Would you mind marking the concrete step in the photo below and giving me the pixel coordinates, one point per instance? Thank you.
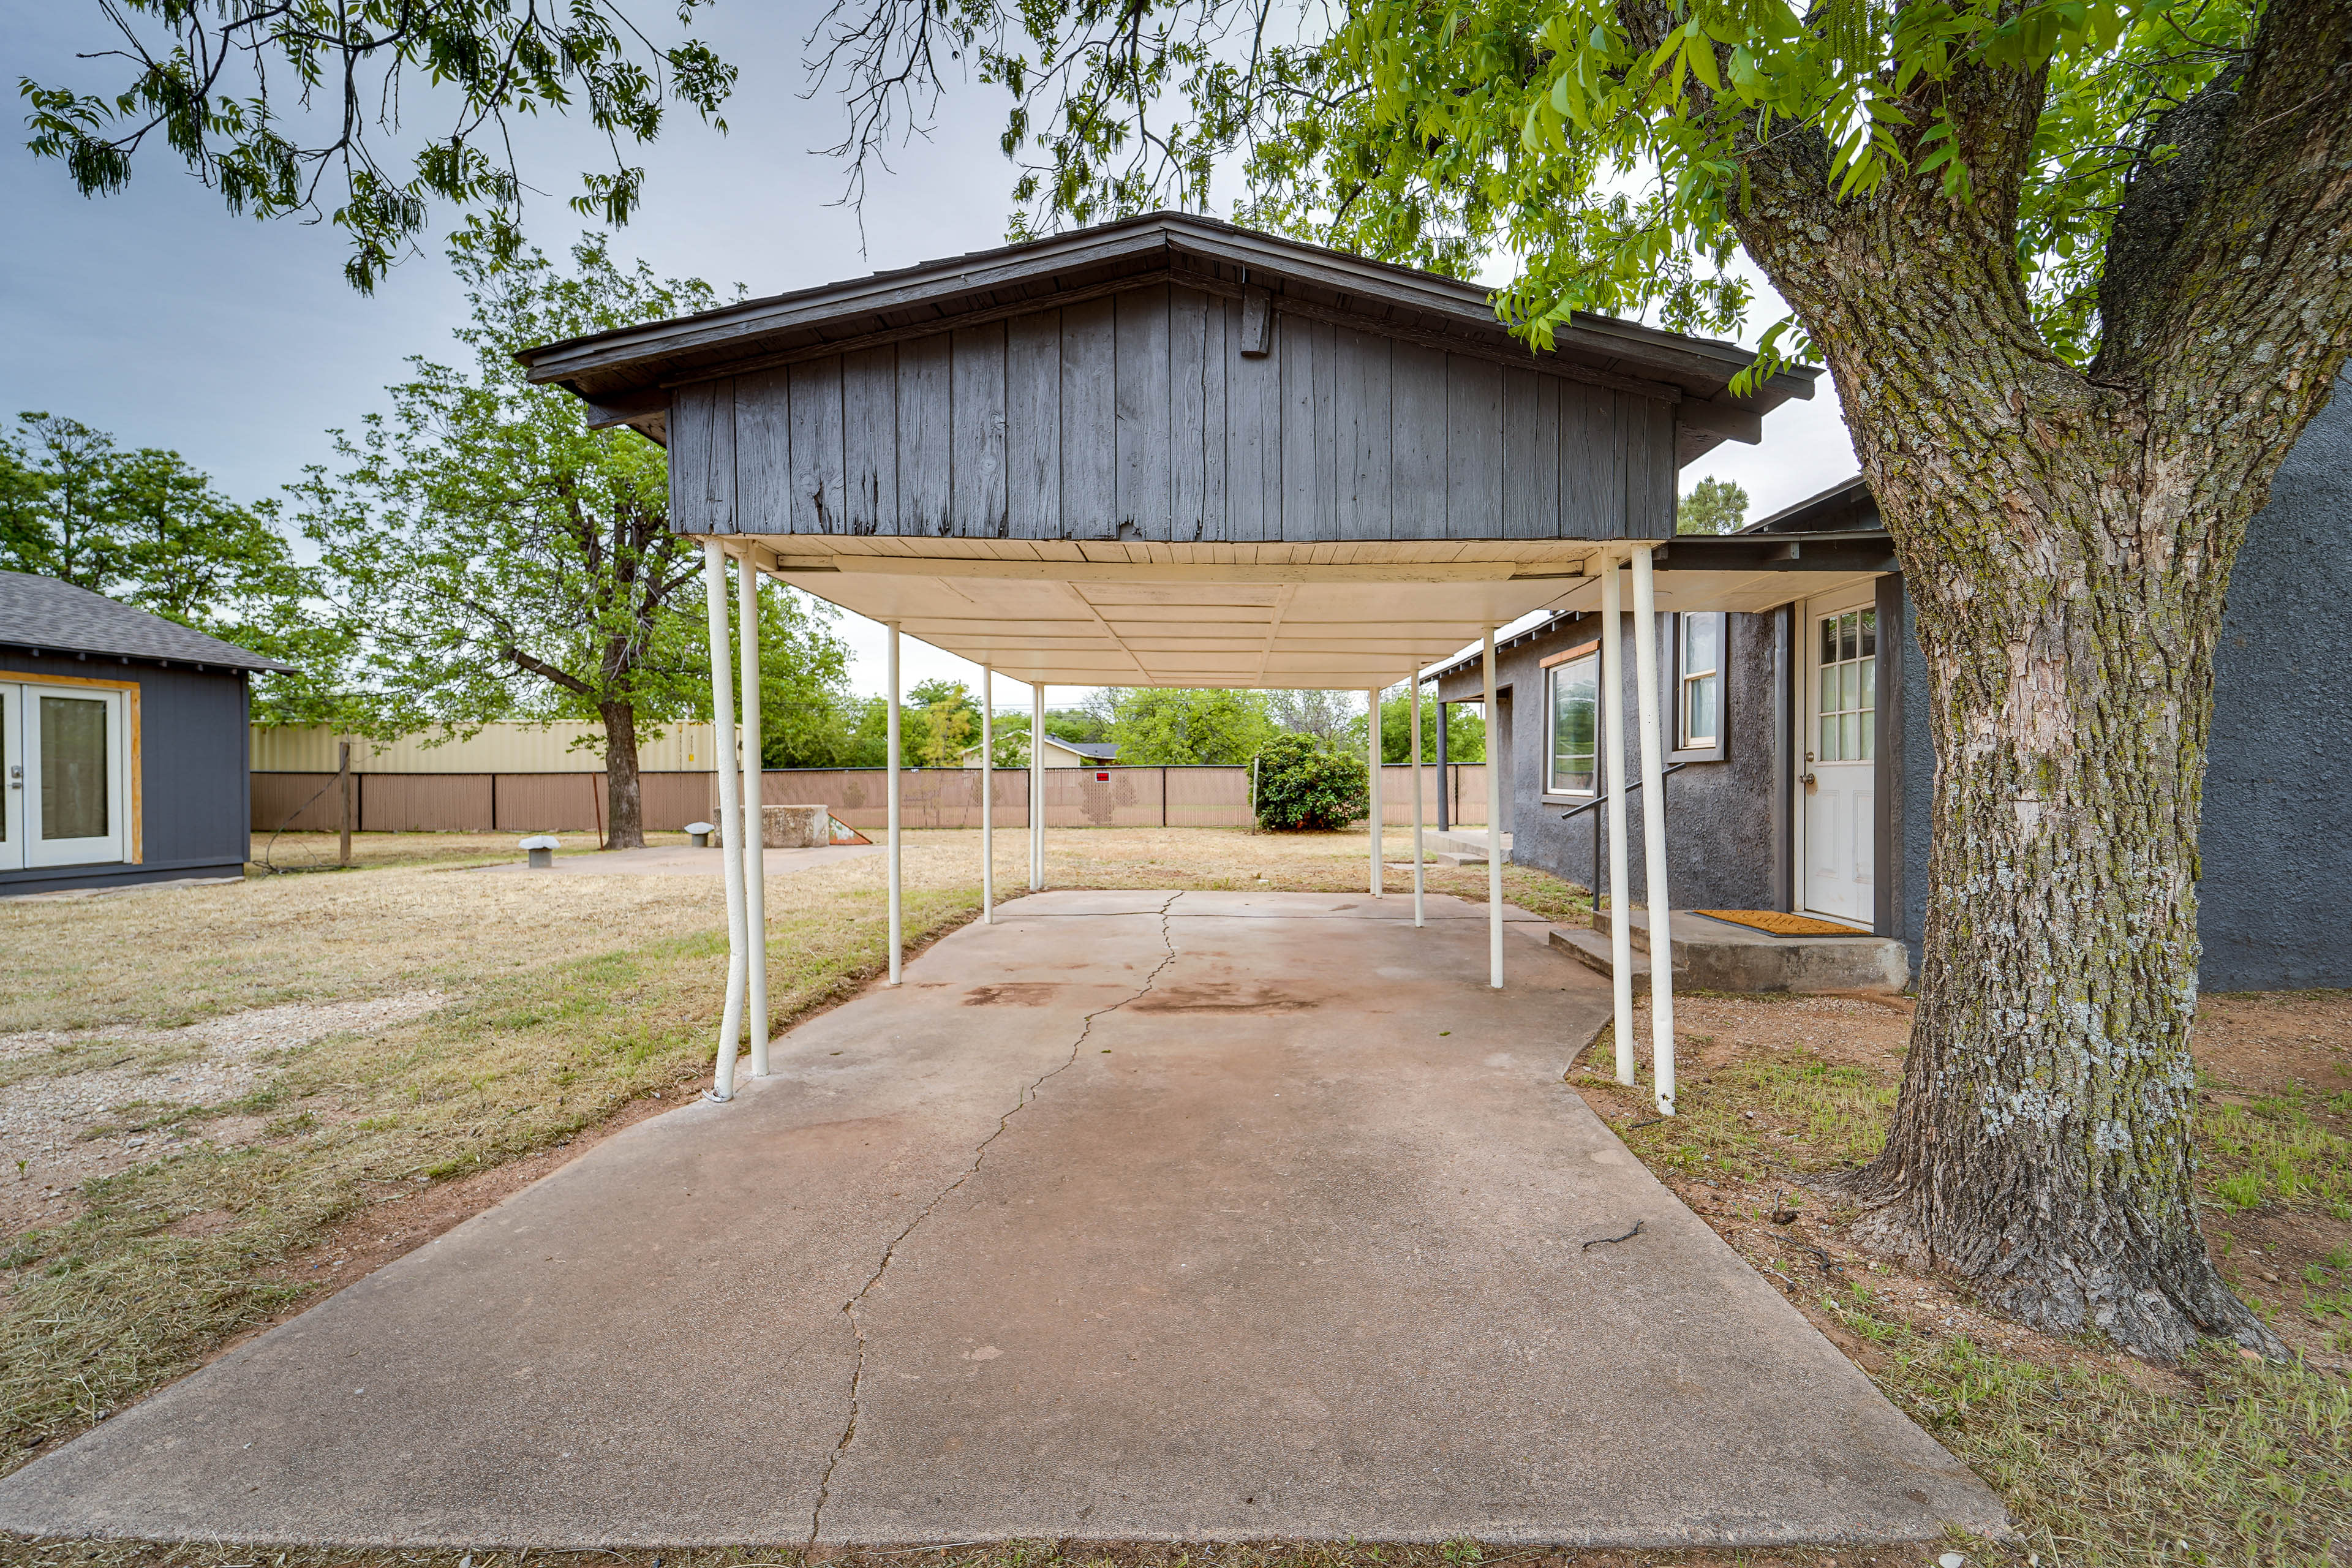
(1591, 948)
(1717, 956)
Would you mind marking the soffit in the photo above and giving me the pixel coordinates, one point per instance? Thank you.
(1348, 616)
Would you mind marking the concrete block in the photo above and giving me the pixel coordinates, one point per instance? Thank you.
(795, 826)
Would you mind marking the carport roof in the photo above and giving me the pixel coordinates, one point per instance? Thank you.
(626, 373)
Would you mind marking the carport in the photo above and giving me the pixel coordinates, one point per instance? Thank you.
(1172, 452)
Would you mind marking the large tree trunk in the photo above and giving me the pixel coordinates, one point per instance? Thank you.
(624, 813)
(2043, 1143)
(2066, 539)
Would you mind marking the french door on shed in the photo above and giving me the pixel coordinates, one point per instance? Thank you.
(1837, 777)
(64, 772)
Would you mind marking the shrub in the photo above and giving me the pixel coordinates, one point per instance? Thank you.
(1308, 785)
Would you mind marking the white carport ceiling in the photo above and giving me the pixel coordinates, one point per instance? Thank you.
(1346, 615)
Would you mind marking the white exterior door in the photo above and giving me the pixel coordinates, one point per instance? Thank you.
(11, 778)
(66, 776)
(1837, 775)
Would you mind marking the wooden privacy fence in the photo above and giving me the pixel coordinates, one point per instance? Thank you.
(927, 797)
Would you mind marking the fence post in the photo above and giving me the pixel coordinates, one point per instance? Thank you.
(1163, 794)
(343, 782)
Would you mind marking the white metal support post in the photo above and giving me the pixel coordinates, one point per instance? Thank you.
(1417, 782)
(1494, 829)
(891, 754)
(1036, 788)
(1653, 837)
(755, 817)
(987, 795)
(730, 818)
(1372, 776)
(1612, 748)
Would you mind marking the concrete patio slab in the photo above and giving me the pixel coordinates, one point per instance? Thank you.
(1154, 1222)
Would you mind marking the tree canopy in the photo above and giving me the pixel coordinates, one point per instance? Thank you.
(145, 527)
(1711, 506)
(306, 108)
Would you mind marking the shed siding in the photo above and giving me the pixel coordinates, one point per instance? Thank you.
(1136, 417)
(193, 807)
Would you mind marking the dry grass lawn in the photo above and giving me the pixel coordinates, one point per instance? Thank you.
(192, 1166)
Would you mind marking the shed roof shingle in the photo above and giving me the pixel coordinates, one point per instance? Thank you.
(43, 613)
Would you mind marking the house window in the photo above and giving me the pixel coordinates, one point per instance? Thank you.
(1849, 678)
(1699, 659)
(1575, 726)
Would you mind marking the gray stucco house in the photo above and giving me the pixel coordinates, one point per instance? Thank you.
(123, 744)
(1814, 795)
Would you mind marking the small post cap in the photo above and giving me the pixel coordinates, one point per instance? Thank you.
(541, 841)
(701, 828)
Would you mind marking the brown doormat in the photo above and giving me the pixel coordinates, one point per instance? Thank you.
(1779, 923)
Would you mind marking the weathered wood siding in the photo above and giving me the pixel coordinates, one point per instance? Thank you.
(1135, 417)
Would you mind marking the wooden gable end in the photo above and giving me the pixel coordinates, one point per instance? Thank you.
(1138, 416)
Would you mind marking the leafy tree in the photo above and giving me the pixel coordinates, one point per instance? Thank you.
(496, 559)
(1326, 715)
(1168, 726)
(1086, 726)
(2080, 268)
(284, 107)
(1308, 785)
(951, 723)
(1712, 506)
(806, 713)
(1465, 729)
(147, 529)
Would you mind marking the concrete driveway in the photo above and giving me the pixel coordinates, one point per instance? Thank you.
(1134, 1215)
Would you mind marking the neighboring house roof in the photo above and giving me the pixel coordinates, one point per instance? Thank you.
(1094, 750)
(626, 373)
(50, 616)
(1845, 507)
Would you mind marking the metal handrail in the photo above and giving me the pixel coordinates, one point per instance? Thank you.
(1601, 800)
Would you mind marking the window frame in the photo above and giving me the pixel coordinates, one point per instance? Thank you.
(1553, 667)
(1718, 749)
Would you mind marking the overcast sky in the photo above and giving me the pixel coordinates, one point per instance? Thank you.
(157, 316)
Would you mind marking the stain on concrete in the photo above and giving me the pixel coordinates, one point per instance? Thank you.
(1257, 997)
(1012, 993)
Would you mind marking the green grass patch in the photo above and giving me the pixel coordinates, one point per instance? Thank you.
(118, 1300)
(1791, 1111)
(2249, 1462)
(2272, 1151)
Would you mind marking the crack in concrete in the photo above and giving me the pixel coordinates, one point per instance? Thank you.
(978, 1154)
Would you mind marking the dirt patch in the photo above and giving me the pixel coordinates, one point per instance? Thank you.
(2275, 1043)
(91, 1102)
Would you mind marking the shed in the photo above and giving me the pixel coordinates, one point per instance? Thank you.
(123, 744)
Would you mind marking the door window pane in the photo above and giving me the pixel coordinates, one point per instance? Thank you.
(73, 768)
(1575, 726)
(1849, 687)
